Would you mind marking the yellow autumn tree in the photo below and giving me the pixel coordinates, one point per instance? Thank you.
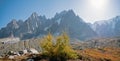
(57, 48)
(47, 45)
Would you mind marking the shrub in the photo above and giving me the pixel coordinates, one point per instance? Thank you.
(57, 48)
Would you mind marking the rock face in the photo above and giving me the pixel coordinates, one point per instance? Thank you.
(108, 28)
(38, 26)
(72, 24)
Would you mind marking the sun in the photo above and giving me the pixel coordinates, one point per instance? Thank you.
(98, 4)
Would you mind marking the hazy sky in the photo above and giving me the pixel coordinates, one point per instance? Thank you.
(88, 10)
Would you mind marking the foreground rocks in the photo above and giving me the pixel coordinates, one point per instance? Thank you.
(90, 54)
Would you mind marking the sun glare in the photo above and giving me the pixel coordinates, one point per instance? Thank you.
(98, 4)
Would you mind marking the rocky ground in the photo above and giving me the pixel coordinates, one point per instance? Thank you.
(91, 50)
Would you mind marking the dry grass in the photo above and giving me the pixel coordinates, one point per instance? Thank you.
(104, 54)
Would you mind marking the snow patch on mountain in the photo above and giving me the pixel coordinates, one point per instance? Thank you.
(46, 28)
(33, 28)
(58, 21)
(36, 24)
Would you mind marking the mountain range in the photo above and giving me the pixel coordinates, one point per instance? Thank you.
(107, 28)
(66, 21)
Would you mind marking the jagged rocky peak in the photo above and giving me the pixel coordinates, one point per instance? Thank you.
(71, 12)
(57, 15)
(65, 12)
(13, 24)
(14, 21)
(34, 15)
(66, 16)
